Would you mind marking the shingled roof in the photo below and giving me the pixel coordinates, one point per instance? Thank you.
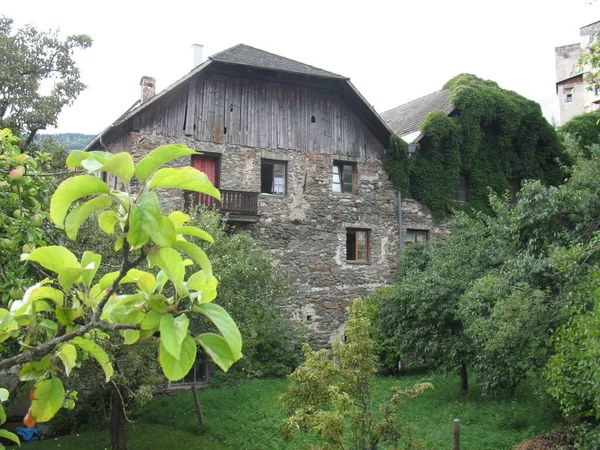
(244, 55)
(407, 118)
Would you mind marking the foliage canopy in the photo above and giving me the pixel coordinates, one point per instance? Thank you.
(30, 60)
(494, 137)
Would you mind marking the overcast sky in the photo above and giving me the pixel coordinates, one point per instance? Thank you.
(392, 51)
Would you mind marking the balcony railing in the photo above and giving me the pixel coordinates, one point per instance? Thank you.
(232, 202)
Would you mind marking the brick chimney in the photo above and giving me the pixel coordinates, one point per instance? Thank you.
(148, 85)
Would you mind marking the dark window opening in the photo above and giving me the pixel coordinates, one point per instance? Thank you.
(313, 119)
(569, 98)
(416, 236)
(344, 178)
(357, 245)
(308, 318)
(462, 191)
(272, 177)
(199, 373)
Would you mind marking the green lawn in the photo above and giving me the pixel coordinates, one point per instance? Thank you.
(247, 418)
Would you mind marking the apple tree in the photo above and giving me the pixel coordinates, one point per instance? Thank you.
(64, 318)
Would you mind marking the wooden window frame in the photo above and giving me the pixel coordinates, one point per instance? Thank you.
(356, 250)
(272, 162)
(340, 165)
(416, 233)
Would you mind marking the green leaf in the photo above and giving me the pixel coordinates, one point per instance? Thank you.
(198, 255)
(73, 189)
(3, 395)
(68, 355)
(225, 324)
(172, 333)
(97, 352)
(217, 348)
(107, 221)
(108, 279)
(145, 281)
(158, 157)
(53, 258)
(49, 325)
(170, 262)
(44, 292)
(34, 370)
(76, 158)
(195, 231)
(91, 262)
(186, 178)
(131, 336)
(177, 368)
(47, 399)
(70, 275)
(10, 436)
(145, 219)
(64, 315)
(80, 214)
(206, 291)
(178, 218)
(120, 165)
(158, 303)
(151, 321)
(124, 308)
(2, 415)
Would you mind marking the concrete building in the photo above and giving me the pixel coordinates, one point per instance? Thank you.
(295, 151)
(574, 97)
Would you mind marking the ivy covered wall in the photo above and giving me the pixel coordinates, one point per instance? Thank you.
(494, 137)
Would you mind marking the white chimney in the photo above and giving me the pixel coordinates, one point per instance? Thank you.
(197, 49)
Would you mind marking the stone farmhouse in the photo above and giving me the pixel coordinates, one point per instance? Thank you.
(573, 96)
(295, 151)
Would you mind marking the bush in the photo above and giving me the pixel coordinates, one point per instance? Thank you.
(252, 290)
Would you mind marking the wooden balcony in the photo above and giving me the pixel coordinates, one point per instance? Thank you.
(238, 202)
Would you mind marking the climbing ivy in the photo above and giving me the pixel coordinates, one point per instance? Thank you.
(585, 128)
(494, 137)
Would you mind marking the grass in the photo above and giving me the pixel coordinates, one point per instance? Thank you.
(247, 417)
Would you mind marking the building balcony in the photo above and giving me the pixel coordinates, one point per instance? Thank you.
(234, 203)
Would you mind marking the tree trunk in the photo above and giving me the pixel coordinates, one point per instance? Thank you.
(30, 138)
(117, 419)
(464, 379)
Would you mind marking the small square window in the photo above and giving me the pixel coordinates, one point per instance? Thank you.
(357, 245)
(416, 236)
(569, 98)
(344, 177)
(273, 176)
(462, 190)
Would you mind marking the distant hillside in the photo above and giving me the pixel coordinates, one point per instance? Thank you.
(73, 141)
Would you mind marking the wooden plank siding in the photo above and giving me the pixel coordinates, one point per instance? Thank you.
(260, 113)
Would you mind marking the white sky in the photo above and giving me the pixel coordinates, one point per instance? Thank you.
(392, 51)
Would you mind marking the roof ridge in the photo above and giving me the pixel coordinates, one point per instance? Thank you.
(216, 55)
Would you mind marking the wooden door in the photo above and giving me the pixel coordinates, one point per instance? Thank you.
(210, 166)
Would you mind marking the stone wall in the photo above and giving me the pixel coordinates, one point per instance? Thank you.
(305, 230)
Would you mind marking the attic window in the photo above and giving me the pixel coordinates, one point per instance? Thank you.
(313, 119)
